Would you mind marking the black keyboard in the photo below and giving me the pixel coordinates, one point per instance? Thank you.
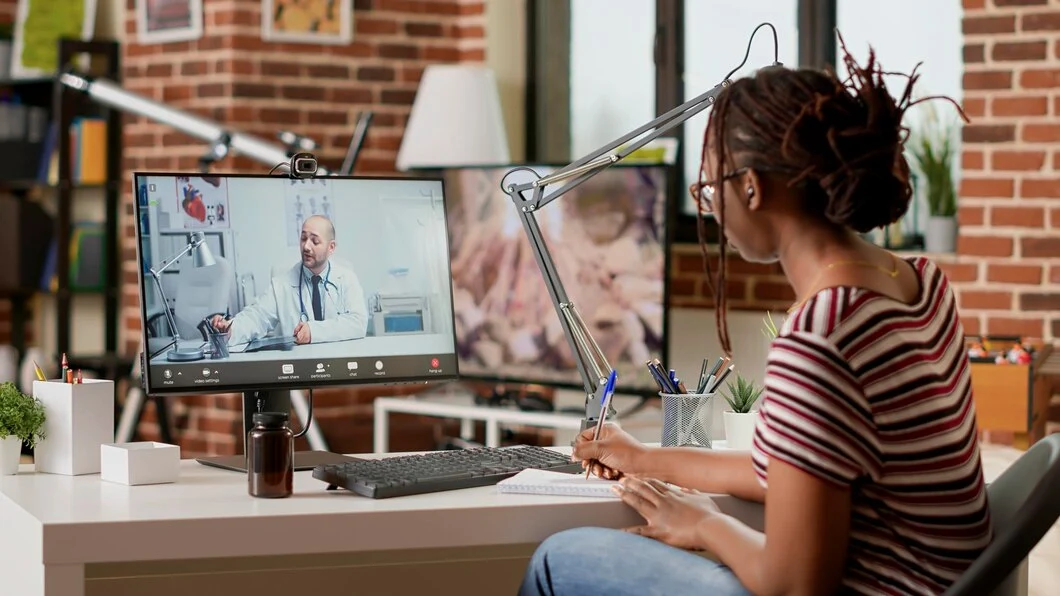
(438, 471)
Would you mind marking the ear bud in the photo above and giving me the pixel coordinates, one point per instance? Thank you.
(750, 191)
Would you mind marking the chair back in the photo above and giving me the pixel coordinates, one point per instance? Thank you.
(1024, 505)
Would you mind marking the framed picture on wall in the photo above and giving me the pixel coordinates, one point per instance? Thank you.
(39, 25)
(307, 21)
(163, 21)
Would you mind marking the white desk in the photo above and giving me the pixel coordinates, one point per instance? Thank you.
(79, 536)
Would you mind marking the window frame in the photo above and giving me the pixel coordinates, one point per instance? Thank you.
(548, 84)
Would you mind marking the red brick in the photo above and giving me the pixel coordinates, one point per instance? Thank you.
(1014, 274)
(988, 133)
(988, 79)
(1017, 160)
(1042, 21)
(1041, 133)
(1040, 301)
(1019, 50)
(974, 107)
(984, 300)
(984, 25)
(973, 4)
(970, 215)
(773, 291)
(1043, 188)
(1019, 106)
(1029, 328)
(1019, 217)
(375, 26)
(960, 272)
(1054, 275)
(972, 160)
(974, 53)
(1056, 330)
(971, 325)
(985, 246)
(1040, 248)
(1040, 78)
(987, 187)
(1054, 218)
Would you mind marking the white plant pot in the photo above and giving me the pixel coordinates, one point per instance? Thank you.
(739, 429)
(10, 453)
(940, 237)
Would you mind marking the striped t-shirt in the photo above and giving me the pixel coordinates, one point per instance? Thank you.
(866, 392)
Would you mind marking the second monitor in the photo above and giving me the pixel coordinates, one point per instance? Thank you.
(269, 282)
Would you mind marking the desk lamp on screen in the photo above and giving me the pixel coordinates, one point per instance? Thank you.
(321, 254)
(527, 190)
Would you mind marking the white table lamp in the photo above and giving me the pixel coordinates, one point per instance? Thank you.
(456, 120)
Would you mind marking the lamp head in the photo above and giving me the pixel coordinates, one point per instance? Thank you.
(202, 255)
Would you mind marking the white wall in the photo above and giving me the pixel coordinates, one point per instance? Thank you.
(506, 56)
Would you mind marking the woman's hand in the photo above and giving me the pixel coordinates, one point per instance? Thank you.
(612, 455)
(673, 515)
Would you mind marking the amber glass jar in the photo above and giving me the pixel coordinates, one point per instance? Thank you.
(270, 456)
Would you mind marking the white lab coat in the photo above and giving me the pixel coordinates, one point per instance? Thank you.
(342, 298)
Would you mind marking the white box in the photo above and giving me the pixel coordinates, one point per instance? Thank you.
(145, 462)
(80, 418)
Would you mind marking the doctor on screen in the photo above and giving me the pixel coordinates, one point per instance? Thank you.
(316, 301)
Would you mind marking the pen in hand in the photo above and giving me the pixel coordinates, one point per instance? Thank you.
(609, 390)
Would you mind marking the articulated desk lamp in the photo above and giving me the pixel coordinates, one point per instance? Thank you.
(527, 190)
(202, 256)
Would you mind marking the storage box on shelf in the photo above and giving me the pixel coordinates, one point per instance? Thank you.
(1013, 396)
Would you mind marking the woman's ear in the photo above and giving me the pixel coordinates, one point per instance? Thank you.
(752, 190)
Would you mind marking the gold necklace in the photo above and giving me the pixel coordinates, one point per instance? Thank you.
(893, 272)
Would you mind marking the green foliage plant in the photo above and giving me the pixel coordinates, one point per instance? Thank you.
(742, 395)
(21, 415)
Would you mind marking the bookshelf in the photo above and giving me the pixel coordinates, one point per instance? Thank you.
(64, 307)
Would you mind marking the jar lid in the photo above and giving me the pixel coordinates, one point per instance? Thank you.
(270, 418)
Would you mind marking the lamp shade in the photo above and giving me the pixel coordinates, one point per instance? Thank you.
(456, 120)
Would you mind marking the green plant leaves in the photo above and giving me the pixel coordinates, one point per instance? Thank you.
(21, 415)
(933, 153)
(742, 394)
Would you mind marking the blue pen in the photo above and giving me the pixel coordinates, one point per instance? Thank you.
(609, 389)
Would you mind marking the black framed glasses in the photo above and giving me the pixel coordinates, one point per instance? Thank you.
(703, 191)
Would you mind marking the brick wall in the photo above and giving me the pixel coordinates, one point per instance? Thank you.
(1007, 271)
(234, 77)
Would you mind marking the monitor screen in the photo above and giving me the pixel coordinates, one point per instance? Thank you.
(272, 282)
(607, 237)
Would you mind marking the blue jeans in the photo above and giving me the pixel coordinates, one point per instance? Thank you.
(603, 561)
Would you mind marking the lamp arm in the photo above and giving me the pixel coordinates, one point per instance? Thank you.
(196, 240)
(529, 197)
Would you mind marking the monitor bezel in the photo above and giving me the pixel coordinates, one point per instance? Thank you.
(671, 173)
(295, 386)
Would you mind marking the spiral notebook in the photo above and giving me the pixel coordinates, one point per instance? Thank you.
(547, 482)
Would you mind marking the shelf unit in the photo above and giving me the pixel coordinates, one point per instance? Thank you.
(103, 59)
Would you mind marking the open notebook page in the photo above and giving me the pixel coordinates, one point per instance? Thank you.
(547, 482)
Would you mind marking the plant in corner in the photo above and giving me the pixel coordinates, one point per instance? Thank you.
(770, 331)
(21, 421)
(740, 420)
(933, 152)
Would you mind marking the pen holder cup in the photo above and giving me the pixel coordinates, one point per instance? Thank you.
(687, 419)
(218, 345)
(79, 420)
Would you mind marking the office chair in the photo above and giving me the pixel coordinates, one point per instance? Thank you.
(1024, 505)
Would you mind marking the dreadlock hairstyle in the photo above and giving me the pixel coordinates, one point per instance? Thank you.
(839, 143)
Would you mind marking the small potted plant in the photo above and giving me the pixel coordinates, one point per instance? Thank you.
(740, 420)
(934, 155)
(21, 421)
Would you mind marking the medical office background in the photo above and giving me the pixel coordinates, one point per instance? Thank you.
(572, 75)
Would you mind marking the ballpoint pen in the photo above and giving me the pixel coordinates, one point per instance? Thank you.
(609, 389)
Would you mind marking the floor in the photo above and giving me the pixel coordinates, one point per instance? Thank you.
(1045, 558)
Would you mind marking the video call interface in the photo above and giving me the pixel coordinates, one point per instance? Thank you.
(272, 281)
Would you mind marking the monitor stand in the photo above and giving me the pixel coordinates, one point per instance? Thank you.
(270, 401)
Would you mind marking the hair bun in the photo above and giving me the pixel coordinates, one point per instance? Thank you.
(867, 198)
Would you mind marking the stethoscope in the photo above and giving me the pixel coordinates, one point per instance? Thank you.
(304, 317)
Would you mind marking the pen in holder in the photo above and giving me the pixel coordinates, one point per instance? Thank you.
(687, 419)
(80, 419)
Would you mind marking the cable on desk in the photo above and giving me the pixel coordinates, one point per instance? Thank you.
(309, 417)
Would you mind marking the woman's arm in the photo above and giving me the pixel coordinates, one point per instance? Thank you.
(718, 472)
(808, 528)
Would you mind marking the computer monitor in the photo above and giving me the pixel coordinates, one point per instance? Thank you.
(258, 283)
(608, 237)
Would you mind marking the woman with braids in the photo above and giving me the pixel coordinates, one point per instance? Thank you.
(865, 453)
